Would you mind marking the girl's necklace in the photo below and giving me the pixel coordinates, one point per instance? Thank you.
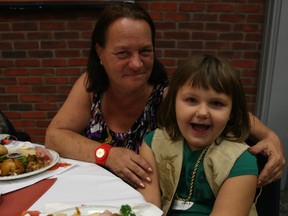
(193, 177)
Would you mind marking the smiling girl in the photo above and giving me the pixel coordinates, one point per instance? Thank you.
(204, 167)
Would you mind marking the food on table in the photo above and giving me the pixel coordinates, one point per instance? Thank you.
(44, 153)
(3, 150)
(78, 213)
(105, 213)
(24, 161)
(34, 162)
(125, 210)
(12, 166)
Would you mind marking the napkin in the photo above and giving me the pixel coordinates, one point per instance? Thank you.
(9, 204)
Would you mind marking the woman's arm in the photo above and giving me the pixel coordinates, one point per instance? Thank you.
(64, 132)
(152, 191)
(64, 136)
(268, 144)
(235, 196)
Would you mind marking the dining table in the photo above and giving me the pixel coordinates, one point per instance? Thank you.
(68, 184)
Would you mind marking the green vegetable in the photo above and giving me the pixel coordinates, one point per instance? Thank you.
(23, 159)
(3, 157)
(126, 210)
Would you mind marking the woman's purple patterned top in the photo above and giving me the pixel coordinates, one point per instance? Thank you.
(98, 130)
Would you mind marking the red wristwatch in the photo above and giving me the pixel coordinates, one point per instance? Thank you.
(101, 153)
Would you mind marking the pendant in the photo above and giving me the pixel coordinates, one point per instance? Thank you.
(181, 205)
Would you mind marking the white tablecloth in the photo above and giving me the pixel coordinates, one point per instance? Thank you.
(88, 184)
(80, 184)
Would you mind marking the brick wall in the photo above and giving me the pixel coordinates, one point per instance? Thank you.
(42, 52)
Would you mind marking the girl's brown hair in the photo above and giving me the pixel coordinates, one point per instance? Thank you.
(207, 71)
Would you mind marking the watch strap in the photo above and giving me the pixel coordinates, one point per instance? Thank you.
(101, 153)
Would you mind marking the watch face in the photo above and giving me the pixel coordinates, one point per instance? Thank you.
(100, 153)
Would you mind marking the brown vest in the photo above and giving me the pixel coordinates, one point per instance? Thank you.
(169, 157)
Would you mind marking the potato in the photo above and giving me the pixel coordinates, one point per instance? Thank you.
(12, 166)
(3, 150)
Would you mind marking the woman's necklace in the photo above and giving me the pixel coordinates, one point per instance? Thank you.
(193, 177)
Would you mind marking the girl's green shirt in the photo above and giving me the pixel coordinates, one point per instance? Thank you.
(202, 195)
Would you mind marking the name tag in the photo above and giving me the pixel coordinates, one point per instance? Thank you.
(182, 205)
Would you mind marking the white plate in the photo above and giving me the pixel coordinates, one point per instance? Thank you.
(88, 210)
(55, 160)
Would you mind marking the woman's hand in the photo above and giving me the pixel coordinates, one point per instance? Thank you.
(270, 147)
(129, 166)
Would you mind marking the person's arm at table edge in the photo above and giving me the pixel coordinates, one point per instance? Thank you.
(64, 136)
(268, 144)
(64, 132)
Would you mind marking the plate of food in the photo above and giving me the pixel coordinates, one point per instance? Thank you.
(96, 210)
(21, 162)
